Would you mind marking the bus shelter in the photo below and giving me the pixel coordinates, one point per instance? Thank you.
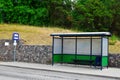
(89, 48)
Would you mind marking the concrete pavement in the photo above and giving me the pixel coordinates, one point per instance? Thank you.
(68, 68)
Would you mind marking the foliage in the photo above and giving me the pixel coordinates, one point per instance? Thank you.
(91, 15)
(113, 40)
(86, 15)
(60, 12)
(115, 25)
(24, 12)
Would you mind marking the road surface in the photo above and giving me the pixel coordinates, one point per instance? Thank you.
(13, 73)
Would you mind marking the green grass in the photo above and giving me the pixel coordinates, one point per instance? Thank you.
(35, 35)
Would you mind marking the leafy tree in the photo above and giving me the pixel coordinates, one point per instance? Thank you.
(33, 12)
(86, 15)
(115, 25)
(91, 15)
(59, 11)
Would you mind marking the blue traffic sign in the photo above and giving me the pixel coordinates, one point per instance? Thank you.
(15, 36)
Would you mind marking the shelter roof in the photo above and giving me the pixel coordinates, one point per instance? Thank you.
(81, 34)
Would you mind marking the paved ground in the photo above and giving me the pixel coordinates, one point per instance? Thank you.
(13, 73)
(108, 74)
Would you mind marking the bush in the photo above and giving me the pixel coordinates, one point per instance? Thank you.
(113, 40)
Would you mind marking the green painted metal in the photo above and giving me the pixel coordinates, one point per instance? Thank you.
(104, 61)
(57, 58)
(68, 58)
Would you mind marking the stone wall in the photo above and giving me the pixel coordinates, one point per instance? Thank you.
(34, 53)
(114, 60)
(38, 53)
(25, 53)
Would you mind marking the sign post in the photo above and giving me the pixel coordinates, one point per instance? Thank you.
(15, 39)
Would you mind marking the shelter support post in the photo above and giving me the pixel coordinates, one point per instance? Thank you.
(75, 47)
(52, 50)
(90, 49)
(61, 50)
(101, 51)
(108, 50)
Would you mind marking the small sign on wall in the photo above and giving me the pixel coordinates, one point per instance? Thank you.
(15, 43)
(7, 44)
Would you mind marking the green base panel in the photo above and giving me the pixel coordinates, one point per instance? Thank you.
(69, 58)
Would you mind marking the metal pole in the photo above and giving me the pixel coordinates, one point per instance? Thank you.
(90, 50)
(14, 53)
(101, 51)
(76, 48)
(53, 51)
(107, 51)
(62, 51)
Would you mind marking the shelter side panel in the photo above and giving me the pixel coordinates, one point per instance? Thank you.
(57, 46)
(83, 46)
(96, 47)
(105, 46)
(68, 46)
